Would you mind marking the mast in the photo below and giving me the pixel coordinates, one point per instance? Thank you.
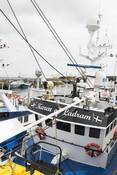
(96, 51)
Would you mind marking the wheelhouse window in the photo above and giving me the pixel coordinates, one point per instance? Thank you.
(25, 118)
(37, 117)
(20, 119)
(64, 126)
(95, 133)
(111, 127)
(114, 123)
(48, 122)
(107, 131)
(80, 130)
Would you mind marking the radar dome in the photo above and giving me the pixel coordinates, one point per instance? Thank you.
(38, 73)
(100, 79)
(93, 24)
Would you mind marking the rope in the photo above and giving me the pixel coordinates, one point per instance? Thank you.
(29, 45)
(14, 140)
(12, 167)
(70, 56)
(19, 143)
(56, 147)
(115, 173)
(76, 170)
(32, 46)
(26, 38)
(2, 149)
(69, 165)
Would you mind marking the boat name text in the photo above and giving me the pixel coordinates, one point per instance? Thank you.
(66, 113)
(76, 114)
(41, 107)
(44, 108)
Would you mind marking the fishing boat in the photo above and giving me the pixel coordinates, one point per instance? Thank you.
(83, 125)
(79, 127)
(13, 117)
(14, 84)
(25, 85)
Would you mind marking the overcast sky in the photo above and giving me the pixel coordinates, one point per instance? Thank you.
(68, 18)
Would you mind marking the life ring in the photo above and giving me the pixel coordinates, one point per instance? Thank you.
(91, 152)
(40, 132)
(115, 135)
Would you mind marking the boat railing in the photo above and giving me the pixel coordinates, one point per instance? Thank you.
(40, 149)
(109, 146)
(32, 160)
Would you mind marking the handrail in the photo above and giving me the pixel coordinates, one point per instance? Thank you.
(34, 145)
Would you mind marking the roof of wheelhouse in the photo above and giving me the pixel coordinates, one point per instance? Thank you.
(91, 116)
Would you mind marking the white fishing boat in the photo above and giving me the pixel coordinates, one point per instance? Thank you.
(86, 125)
(14, 84)
(80, 126)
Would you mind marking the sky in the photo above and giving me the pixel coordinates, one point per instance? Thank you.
(69, 19)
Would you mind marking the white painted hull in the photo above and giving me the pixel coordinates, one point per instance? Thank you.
(73, 146)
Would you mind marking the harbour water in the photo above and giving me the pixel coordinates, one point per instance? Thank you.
(61, 89)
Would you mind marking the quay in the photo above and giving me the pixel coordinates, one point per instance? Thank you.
(4, 81)
(37, 81)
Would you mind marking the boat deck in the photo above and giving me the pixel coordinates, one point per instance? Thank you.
(100, 105)
(71, 167)
(81, 169)
(47, 169)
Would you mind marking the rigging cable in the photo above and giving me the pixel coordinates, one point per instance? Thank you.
(70, 56)
(30, 44)
(30, 47)
(25, 37)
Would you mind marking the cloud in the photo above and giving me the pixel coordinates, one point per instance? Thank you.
(68, 17)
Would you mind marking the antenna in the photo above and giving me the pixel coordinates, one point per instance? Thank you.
(99, 16)
(93, 25)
